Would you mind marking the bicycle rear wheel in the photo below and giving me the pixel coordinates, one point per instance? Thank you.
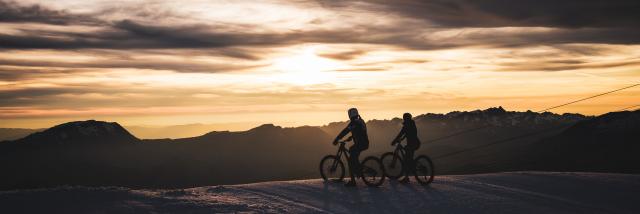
(424, 170)
(331, 168)
(392, 165)
(372, 172)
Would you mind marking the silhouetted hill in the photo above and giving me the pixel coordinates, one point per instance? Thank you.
(264, 153)
(88, 132)
(625, 124)
(607, 143)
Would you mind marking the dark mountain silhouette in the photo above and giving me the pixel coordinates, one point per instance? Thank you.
(264, 153)
(625, 124)
(608, 143)
(88, 132)
(270, 152)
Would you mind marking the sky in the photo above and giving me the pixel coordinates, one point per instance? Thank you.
(291, 63)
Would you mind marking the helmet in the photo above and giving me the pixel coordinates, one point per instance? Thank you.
(406, 116)
(353, 112)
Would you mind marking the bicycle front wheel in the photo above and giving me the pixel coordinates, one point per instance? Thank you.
(424, 170)
(392, 165)
(331, 168)
(372, 171)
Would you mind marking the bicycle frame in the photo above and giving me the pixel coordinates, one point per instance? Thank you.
(342, 150)
(398, 152)
(423, 172)
(370, 170)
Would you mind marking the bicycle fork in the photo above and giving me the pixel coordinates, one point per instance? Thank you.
(396, 154)
(335, 162)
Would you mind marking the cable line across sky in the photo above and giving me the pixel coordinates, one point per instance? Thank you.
(524, 135)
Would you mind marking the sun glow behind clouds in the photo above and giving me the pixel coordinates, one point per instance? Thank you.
(289, 62)
(305, 67)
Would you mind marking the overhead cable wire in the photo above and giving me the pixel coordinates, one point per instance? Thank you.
(543, 110)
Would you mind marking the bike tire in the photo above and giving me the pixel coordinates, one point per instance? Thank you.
(424, 170)
(392, 170)
(372, 172)
(327, 173)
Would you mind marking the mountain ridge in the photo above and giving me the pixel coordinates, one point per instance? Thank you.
(496, 116)
(271, 152)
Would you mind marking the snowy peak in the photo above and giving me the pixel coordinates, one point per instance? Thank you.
(90, 128)
(498, 116)
(88, 132)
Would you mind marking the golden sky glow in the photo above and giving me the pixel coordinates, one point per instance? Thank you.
(300, 62)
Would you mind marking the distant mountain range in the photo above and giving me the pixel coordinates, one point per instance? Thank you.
(102, 153)
(15, 133)
(143, 131)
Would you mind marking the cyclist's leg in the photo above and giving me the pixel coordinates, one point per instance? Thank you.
(354, 160)
(408, 161)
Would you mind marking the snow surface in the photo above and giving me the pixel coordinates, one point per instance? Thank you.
(516, 192)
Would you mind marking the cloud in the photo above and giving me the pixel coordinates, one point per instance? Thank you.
(129, 34)
(507, 13)
(11, 11)
(483, 22)
(176, 66)
(345, 55)
(14, 73)
(478, 23)
(364, 69)
(393, 62)
(564, 65)
(121, 100)
(528, 37)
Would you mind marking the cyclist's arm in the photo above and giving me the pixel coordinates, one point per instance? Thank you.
(344, 132)
(400, 135)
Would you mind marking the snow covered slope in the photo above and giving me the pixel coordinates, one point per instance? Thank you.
(517, 192)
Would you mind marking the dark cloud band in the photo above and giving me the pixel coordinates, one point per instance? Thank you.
(508, 13)
(610, 22)
(11, 11)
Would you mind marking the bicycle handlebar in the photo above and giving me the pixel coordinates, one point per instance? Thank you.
(350, 138)
(398, 141)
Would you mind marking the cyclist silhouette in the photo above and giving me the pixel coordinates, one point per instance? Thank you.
(409, 132)
(358, 130)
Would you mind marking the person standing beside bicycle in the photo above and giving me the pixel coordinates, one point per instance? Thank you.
(409, 132)
(358, 130)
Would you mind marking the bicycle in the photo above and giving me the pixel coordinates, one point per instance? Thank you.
(393, 165)
(371, 170)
